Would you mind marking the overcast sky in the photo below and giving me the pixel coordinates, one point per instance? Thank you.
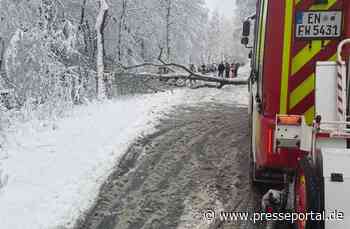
(225, 7)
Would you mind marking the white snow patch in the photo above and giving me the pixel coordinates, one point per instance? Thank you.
(244, 71)
(237, 95)
(55, 171)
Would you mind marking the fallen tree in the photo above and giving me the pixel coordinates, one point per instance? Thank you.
(175, 74)
(194, 77)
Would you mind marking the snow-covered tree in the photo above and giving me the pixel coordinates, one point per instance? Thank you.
(245, 8)
(215, 34)
(99, 27)
(55, 52)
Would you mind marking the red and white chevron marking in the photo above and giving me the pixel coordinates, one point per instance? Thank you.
(341, 90)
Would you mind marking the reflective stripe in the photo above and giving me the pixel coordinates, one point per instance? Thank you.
(257, 63)
(303, 90)
(263, 33)
(286, 54)
(334, 57)
(309, 115)
(306, 54)
(301, 93)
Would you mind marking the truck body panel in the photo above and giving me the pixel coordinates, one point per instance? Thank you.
(284, 71)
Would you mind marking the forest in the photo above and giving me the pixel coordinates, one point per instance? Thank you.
(56, 53)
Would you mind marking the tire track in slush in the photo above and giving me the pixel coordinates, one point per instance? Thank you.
(197, 159)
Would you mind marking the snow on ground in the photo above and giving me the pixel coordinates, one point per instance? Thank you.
(227, 95)
(55, 171)
(244, 71)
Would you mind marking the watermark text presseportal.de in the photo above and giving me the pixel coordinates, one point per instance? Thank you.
(210, 216)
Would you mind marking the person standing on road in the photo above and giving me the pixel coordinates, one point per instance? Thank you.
(192, 68)
(204, 69)
(232, 70)
(227, 70)
(221, 69)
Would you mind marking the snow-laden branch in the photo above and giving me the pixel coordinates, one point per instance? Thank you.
(189, 76)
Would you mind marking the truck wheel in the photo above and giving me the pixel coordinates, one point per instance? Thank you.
(307, 195)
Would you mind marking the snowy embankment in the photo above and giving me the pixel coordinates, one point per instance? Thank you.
(56, 168)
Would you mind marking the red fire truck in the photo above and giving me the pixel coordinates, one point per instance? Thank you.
(299, 103)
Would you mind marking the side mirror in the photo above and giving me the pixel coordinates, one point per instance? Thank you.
(245, 41)
(246, 28)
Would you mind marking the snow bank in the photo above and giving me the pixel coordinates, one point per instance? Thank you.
(55, 170)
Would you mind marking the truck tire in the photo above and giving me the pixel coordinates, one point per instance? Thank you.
(307, 196)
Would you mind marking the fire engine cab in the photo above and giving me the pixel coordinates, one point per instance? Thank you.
(299, 104)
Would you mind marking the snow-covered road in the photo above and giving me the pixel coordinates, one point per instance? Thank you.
(57, 168)
(197, 159)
